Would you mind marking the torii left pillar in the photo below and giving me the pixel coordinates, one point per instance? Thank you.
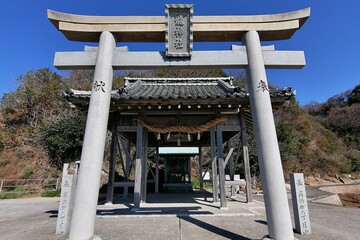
(87, 192)
(272, 176)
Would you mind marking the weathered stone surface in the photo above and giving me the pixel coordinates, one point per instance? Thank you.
(158, 60)
(179, 30)
(152, 28)
(87, 192)
(271, 172)
(300, 205)
(68, 187)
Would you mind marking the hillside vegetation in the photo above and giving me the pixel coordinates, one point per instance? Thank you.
(40, 131)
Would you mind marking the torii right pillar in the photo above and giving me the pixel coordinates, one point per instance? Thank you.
(271, 171)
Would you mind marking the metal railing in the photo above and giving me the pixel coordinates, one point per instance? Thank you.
(21, 186)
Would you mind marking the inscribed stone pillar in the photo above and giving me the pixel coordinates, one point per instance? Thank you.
(83, 218)
(275, 197)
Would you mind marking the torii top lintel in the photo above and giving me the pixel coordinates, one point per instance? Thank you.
(152, 28)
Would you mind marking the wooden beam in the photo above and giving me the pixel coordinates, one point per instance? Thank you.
(228, 157)
(235, 183)
(231, 128)
(151, 171)
(219, 143)
(215, 180)
(206, 170)
(127, 128)
(145, 166)
(118, 143)
(128, 161)
(138, 167)
(245, 148)
(200, 169)
(126, 149)
(157, 168)
(124, 184)
(110, 185)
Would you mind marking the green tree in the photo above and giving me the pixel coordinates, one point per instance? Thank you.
(355, 95)
(63, 140)
(38, 97)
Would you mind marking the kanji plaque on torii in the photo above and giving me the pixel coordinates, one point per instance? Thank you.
(179, 34)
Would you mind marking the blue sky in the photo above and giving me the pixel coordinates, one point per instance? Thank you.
(330, 38)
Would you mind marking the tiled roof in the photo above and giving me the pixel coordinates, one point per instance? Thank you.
(178, 90)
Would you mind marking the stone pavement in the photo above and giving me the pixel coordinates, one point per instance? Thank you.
(173, 216)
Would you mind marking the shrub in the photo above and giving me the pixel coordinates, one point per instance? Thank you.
(63, 140)
(2, 145)
(196, 184)
(9, 195)
(287, 140)
(51, 194)
(28, 172)
(320, 163)
(19, 152)
(355, 164)
(54, 175)
(345, 167)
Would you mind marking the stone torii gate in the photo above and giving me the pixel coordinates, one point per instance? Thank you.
(179, 28)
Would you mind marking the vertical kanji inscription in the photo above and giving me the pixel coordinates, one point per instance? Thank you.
(179, 30)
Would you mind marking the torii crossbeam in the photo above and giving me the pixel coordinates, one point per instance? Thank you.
(236, 58)
(107, 30)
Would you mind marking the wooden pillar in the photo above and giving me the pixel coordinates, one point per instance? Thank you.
(200, 169)
(220, 154)
(128, 164)
(123, 160)
(231, 160)
(112, 162)
(2, 182)
(157, 168)
(189, 169)
(166, 170)
(145, 166)
(138, 167)
(230, 145)
(245, 148)
(215, 180)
